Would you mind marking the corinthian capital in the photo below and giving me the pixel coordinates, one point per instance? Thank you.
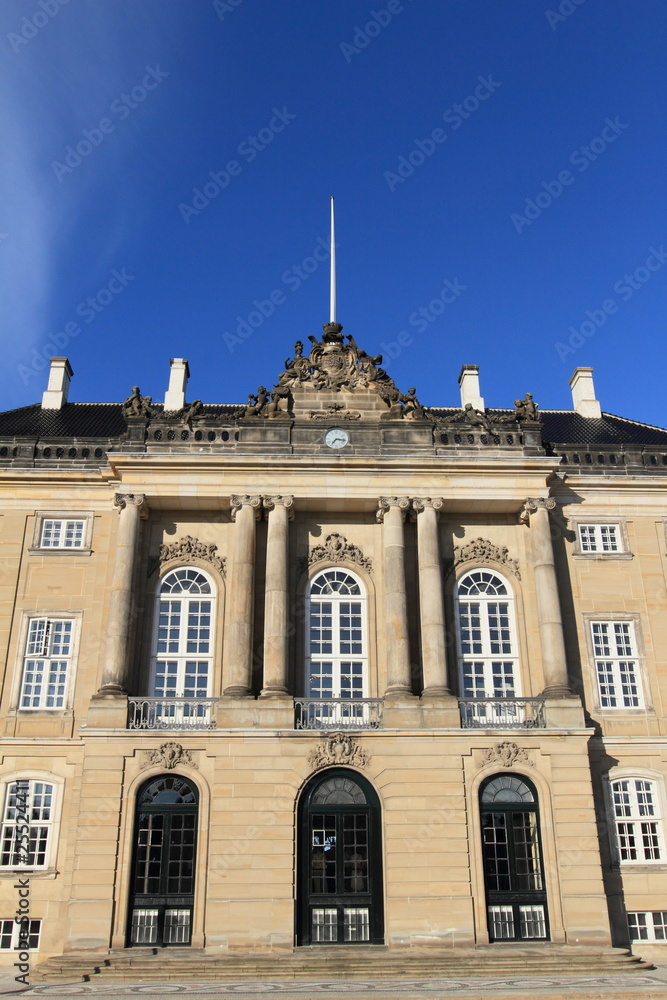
(270, 503)
(531, 504)
(388, 503)
(138, 500)
(236, 502)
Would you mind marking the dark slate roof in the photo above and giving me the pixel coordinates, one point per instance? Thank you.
(105, 420)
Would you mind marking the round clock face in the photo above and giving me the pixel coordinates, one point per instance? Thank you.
(336, 437)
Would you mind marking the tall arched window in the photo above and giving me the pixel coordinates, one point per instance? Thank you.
(182, 651)
(336, 640)
(488, 654)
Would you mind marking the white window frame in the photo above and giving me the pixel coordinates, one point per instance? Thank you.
(615, 660)
(648, 925)
(71, 659)
(337, 656)
(635, 815)
(487, 656)
(41, 519)
(34, 784)
(16, 937)
(181, 657)
(598, 524)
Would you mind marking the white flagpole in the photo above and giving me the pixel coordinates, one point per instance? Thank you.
(332, 287)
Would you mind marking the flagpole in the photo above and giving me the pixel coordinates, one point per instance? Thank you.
(332, 286)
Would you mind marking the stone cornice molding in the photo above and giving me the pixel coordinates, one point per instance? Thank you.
(387, 503)
(337, 549)
(123, 500)
(531, 504)
(236, 502)
(483, 552)
(188, 550)
(270, 503)
(338, 749)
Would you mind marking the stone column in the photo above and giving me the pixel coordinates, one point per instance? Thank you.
(276, 608)
(536, 513)
(392, 513)
(115, 671)
(432, 612)
(238, 644)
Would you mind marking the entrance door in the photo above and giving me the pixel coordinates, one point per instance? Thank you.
(340, 862)
(163, 868)
(513, 868)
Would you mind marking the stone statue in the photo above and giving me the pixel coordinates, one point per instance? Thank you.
(256, 403)
(137, 405)
(412, 408)
(530, 407)
(188, 412)
(273, 408)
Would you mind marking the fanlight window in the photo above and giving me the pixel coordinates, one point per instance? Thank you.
(505, 788)
(338, 792)
(336, 643)
(169, 789)
(182, 637)
(488, 654)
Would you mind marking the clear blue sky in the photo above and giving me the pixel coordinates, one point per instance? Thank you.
(309, 98)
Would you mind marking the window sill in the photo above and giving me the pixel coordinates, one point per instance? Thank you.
(602, 556)
(29, 873)
(640, 867)
(37, 551)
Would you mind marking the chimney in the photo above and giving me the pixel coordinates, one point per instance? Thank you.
(583, 393)
(469, 382)
(178, 379)
(55, 394)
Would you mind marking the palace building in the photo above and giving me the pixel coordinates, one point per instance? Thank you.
(331, 668)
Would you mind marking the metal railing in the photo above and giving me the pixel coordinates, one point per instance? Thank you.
(338, 713)
(502, 713)
(172, 713)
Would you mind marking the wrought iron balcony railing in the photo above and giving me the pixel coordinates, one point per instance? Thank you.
(338, 713)
(172, 713)
(502, 713)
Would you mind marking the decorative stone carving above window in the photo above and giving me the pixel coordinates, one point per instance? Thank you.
(336, 549)
(483, 552)
(506, 754)
(187, 550)
(341, 749)
(169, 755)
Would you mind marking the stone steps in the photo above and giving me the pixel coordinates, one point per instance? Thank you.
(317, 963)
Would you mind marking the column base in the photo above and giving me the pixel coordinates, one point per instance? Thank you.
(400, 692)
(273, 692)
(564, 713)
(557, 691)
(401, 711)
(237, 691)
(440, 711)
(107, 711)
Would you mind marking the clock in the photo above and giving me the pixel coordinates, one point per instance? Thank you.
(336, 437)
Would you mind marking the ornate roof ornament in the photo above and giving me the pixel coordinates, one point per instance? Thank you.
(137, 406)
(169, 755)
(341, 749)
(536, 503)
(188, 550)
(507, 754)
(484, 552)
(337, 549)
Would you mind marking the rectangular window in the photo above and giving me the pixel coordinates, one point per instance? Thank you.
(650, 925)
(638, 824)
(23, 936)
(26, 824)
(604, 538)
(616, 664)
(46, 663)
(62, 533)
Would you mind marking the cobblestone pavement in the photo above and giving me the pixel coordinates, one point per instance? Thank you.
(647, 986)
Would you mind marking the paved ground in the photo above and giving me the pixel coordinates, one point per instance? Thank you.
(638, 986)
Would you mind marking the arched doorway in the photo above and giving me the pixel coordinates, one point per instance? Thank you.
(340, 861)
(163, 864)
(516, 899)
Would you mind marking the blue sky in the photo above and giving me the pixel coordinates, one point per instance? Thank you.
(498, 167)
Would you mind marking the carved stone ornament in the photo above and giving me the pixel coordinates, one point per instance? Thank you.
(337, 549)
(169, 755)
(137, 406)
(536, 503)
(484, 552)
(237, 502)
(270, 503)
(386, 503)
(123, 500)
(187, 550)
(507, 754)
(339, 748)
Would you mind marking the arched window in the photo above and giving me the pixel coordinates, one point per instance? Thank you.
(488, 655)
(336, 640)
(513, 867)
(638, 822)
(182, 641)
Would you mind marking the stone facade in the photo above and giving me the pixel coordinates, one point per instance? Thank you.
(256, 500)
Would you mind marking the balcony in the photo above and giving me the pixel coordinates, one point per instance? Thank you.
(338, 713)
(502, 713)
(171, 713)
